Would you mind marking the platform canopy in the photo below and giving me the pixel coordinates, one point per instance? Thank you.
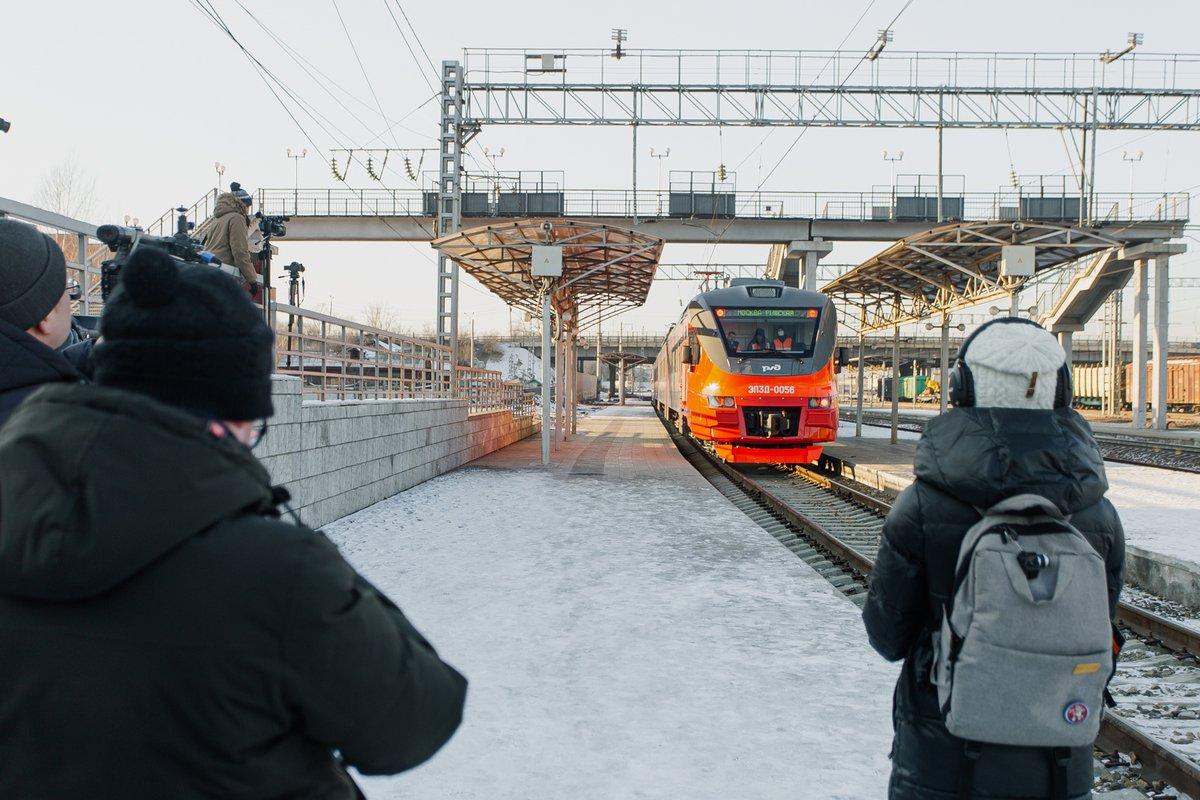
(625, 360)
(954, 266)
(606, 269)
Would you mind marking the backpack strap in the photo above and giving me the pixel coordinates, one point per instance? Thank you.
(966, 771)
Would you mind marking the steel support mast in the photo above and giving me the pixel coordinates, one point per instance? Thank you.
(449, 199)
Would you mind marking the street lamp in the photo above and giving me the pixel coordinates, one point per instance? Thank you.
(881, 42)
(488, 154)
(892, 159)
(1133, 40)
(1132, 158)
(660, 156)
(295, 157)
(220, 169)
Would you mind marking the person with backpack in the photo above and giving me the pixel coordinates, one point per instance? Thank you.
(997, 581)
(166, 632)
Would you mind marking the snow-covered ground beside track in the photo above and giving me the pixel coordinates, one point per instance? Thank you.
(625, 640)
(1160, 508)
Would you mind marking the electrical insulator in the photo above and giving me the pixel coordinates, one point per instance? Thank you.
(371, 169)
(408, 169)
(721, 172)
(333, 167)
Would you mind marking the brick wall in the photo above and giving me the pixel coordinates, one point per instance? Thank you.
(337, 457)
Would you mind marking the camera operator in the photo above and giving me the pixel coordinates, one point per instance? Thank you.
(226, 234)
(165, 633)
(35, 314)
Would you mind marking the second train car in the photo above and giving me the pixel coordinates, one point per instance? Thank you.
(750, 370)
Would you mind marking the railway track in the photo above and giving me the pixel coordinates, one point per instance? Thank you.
(836, 527)
(1126, 449)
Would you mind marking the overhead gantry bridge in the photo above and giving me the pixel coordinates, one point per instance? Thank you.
(702, 217)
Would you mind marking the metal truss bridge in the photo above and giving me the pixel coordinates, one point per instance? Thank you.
(831, 89)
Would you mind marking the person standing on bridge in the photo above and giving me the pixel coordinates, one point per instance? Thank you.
(165, 633)
(226, 234)
(35, 314)
(1010, 434)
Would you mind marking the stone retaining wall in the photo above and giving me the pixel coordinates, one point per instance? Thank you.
(337, 457)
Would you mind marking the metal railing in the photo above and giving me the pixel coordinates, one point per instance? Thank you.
(876, 206)
(948, 70)
(77, 239)
(485, 390)
(199, 211)
(337, 359)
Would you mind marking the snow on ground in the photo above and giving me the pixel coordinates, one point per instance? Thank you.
(1160, 508)
(625, 640)
(846, 431)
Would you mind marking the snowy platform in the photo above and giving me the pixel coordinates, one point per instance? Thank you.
(1160, 508)
(627, 632)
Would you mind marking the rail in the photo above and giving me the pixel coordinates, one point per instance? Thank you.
(337, 359)
(486, 390)
(875, 206)
(852, 549)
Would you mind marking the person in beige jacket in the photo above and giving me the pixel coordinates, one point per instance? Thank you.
(226, 233)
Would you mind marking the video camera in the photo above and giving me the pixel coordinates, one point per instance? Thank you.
(271, 226)
(123, 241)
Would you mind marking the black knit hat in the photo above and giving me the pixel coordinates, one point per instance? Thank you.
(187, 335)
(33, 274)
(240, 193)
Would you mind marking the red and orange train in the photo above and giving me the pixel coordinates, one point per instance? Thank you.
(749, 370)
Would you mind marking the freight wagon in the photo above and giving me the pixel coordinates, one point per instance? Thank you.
(1090, 382)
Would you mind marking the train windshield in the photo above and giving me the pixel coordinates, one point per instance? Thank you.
(769, 331)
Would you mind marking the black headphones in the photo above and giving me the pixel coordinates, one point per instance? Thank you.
(962, 383)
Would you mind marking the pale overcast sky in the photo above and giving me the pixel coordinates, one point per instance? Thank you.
(148, 94)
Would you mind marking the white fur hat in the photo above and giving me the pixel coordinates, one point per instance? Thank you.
(1014, 365)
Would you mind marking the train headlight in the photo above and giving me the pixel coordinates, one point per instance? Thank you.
(820, 402)
(719, 401)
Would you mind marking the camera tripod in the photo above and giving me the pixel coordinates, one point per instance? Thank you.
(295, 297)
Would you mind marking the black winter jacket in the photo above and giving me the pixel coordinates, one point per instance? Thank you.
(25, 365)
(165, 635)
(972, 458)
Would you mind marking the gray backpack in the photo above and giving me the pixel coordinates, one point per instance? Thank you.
(1025, 651)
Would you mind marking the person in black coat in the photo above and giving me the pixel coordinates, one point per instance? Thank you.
(165, 633)
(1012, 440)
(35, 314)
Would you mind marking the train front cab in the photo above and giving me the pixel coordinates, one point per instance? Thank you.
(760, 385)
